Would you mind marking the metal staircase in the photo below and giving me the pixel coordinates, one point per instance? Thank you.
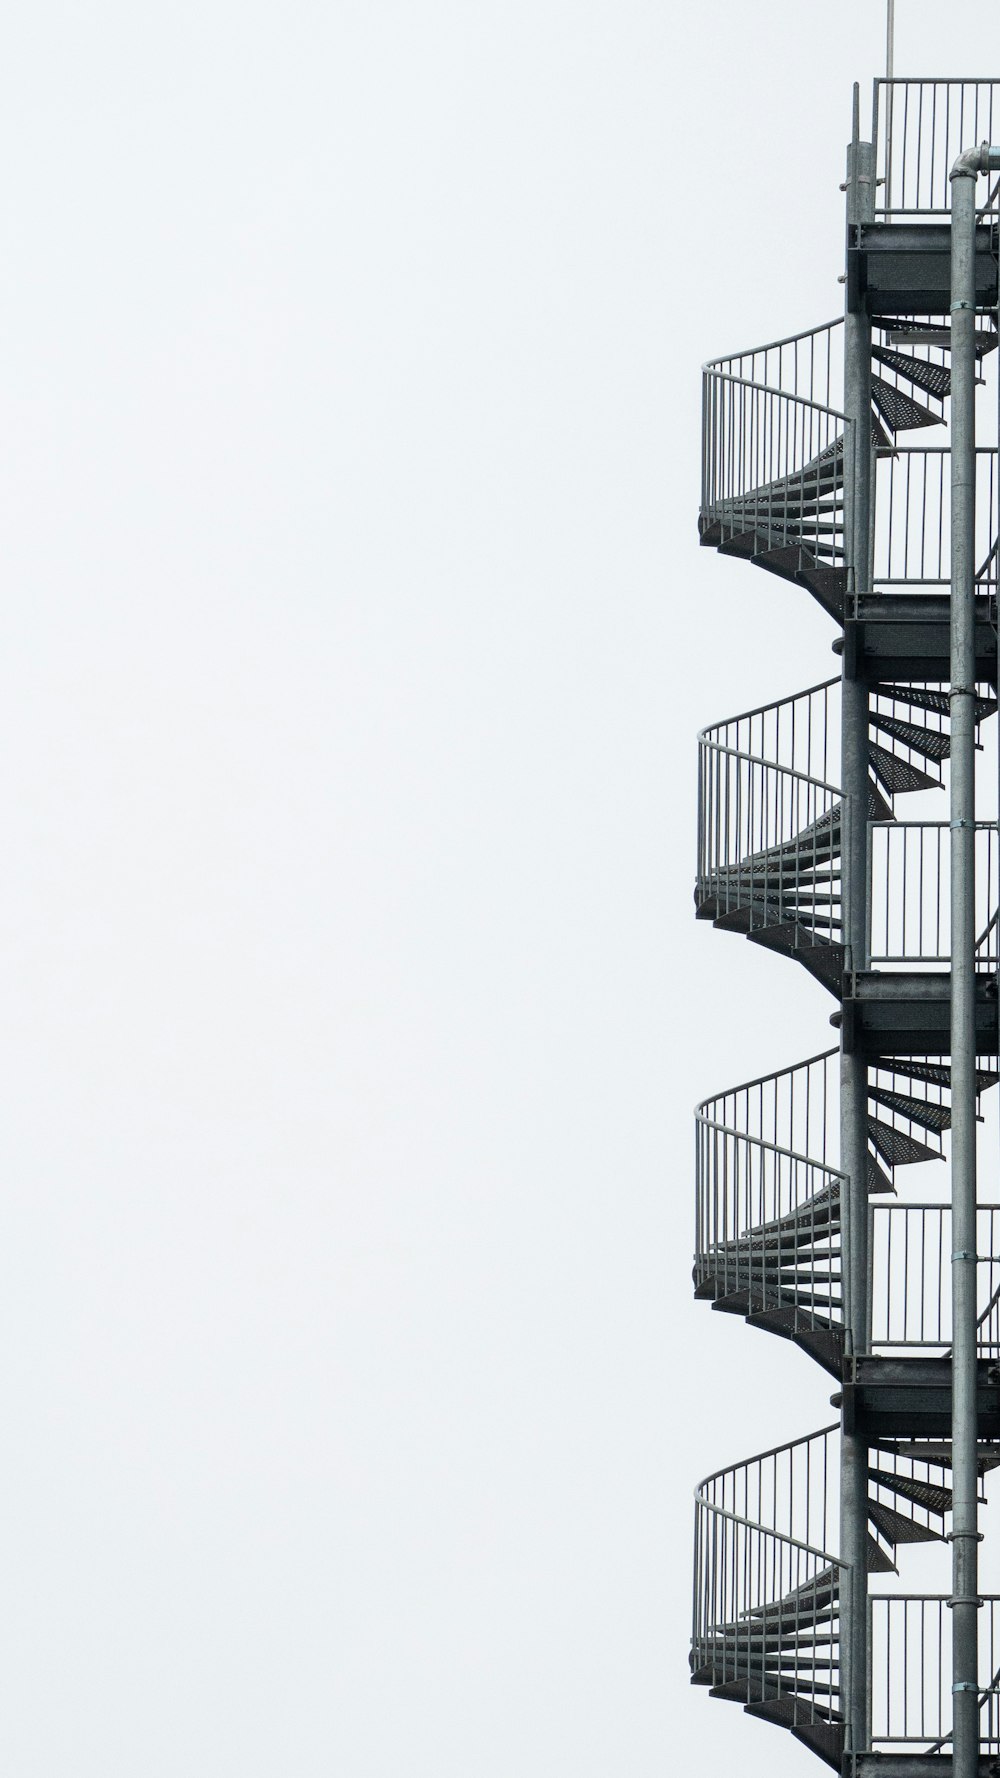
(807, 1224)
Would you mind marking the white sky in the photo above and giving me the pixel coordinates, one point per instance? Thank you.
(354, 644)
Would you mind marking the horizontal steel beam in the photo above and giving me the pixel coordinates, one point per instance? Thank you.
(904, 637)
(915, 1765)
(898, 268)
(911, 1398)
(909, 1014)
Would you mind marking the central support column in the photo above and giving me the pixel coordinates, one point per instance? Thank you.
(854, 863)
(965, 1529)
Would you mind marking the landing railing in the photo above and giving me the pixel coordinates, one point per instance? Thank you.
(913, 526)
(764, 1580)
(919, 127)
(910, 1251)
(911, 1673)
(910, 893)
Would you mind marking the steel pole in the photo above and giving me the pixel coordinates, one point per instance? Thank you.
(854, 864)
(965, 1526)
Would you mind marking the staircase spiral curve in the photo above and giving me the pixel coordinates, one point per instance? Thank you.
(773, 1206)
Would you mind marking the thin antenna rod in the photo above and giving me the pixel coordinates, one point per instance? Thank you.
(890, 36)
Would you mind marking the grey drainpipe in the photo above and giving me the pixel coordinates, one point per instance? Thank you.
(965, 1528)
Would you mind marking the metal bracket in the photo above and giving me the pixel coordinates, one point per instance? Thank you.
(953, 825)
(964, 1685)
(964, 1255)
(978, 1603)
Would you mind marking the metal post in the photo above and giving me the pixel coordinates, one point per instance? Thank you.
(965, 1528)
(853, 1070)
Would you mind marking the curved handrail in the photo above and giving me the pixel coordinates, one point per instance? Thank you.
(772, 765)
(790, 339)
(790, 1154)
(761, 1080)
(791, 1444)
(821, 407)
(763, 710)
(794, 1543)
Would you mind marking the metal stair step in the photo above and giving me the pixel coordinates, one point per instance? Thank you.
(899, 776)
(896, 1147)
(930, 1495)
(825, 1739)
(899, 334)
(828, 586)
(878, 1561)
(936, 1073)
(921, 697)
(877, 1180)
(899, 411)
(921, 372)
(939, 1452)
(930, 743)
(897, 1528)
(927, 1112)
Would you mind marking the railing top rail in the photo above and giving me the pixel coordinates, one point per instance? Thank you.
(765, 709)
(895, 826)
(790, 339)
(931, 1599)
(819, 407)
(936, 80)
(795, 1543)
(709, 1123)
(761, 1080)
(771, 765)
(910, 1207)
(901, 450)
(761, 1456)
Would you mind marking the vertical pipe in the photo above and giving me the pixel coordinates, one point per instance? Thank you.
(854, 858)
(965, 1529)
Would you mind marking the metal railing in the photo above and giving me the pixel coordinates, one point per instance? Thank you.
(793, 1108)
(807, 365)
(774, 444)
(913, 529)
(768, 821)
(911, 1672)
(765, 1582)
(910, 1277)
(910, 893)
(918, 127)
(769, 1220)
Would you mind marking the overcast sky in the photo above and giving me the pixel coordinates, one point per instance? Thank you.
(354, 641)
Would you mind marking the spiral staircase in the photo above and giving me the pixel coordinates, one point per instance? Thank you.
(782, 462)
